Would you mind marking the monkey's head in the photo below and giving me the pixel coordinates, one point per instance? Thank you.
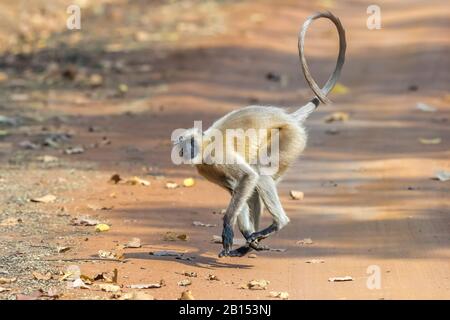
(188, 146)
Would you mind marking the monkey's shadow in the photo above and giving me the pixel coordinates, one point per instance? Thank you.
(196, 260)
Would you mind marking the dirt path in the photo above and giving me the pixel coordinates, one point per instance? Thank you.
(370, 199)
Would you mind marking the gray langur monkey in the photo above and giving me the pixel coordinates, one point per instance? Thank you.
(251, 190)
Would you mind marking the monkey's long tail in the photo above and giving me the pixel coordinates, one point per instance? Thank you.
(321, 94)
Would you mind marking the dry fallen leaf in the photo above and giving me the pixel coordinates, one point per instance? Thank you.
(212, 277)
(96, 207)
(84, 221)
(191, 274)
(189, 182)
(45, 199)
(171, 185)
(442, 175)
(339, 279)
(187, 295)
(296, 195)
(78, 283)
(95, 80)
(110, 277)
(47, 159)
(305, 241)
(430, 141)
(7, 280)
(110, 255)
(424, 107)
(184, 283)
(4, 289)
(86, 279)
(51, 142)
(337, 116)
(258, 284)
(279, 294)
(19, 97)
(314, 261)
(201, 224)
(173, 236)
(72, 272)
(40, 276)
(106, 254)
(133, 243)
(102, 227)
(147, 285)
(109, 287)
(339, 88)
(122, 88)
(74, 150)
(115, 178)
(62, 249)
(137, 181)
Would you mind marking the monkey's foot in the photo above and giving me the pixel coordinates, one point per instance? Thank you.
(239, 252)
(227, 240)
(258, 247)
(257, 236)
(224, 253)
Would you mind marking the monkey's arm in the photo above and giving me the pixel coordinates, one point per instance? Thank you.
(267, 190)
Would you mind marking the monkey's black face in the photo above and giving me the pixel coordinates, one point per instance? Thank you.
(189, 147)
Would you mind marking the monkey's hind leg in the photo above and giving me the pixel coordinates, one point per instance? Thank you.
(248, 222)
(267, 190)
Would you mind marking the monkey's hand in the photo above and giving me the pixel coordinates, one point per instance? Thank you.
(227, 240)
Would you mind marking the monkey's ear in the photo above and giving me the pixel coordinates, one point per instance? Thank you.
(301, 114)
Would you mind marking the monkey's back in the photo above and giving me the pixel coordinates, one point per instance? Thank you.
(292, 136)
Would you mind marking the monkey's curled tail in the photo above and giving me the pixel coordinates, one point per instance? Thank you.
(321, 94)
